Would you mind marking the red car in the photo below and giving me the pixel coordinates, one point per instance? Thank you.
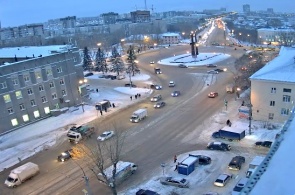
(212, 94)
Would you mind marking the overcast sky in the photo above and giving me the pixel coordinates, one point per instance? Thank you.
(19, 12)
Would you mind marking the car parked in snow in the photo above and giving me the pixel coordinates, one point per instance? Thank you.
(106, 135)
(173, 181)
(266, 144)
(203, 160)
(211, 65)
(218, 146)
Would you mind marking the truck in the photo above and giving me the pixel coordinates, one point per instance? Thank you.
(124, 170)
(75, 134)
(138, 115)
(230, 133)
(257, 160)
(230, 88)
(20, 174)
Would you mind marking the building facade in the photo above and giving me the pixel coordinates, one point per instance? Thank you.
(140, 16)
(273, 88)
(171, 38)
(276, 36)
(32, 87)
(110, 18)
(21, 31)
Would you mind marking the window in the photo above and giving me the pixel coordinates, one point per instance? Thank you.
(63, 92)
(10, 110)
(285, 111)
(30, 91)
(272, 103)
(18, 94)
(61, 81)
(26, 78)
(26, 118)
(22, 107)
(6, 98)
(14, 122)
(41, 88)
(33, 103)
(51, 84)
(46, 110)
(273, 90)
(43, 99)
(287, 90)
(3, 85)
(48, 72)
(15, 82)
(270, 116)
(59, 69)
(38, 75)
(54, 96)
(286, 98)
(36, 114)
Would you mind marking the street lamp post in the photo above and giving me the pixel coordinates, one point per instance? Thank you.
(82, 83)
(122, 45)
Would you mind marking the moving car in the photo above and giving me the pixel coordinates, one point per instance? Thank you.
(158, 71)
(156, 98)
(266, 144)
(239, 186)
(236, 163)
(157, 87)
(178, 182)
(182, 66)
(171, 84)
(212, 72)
(211, 65)
(88, 74)
(219, 70)
(132, 85)
(212, 94)
(152, 62)
(175, 93)
(222, 180)
(159, 105)
(106, 135)
(64, 156)
(218, 146)
(146, 192)
(203, 160)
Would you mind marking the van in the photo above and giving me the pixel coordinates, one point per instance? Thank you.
(230, 88)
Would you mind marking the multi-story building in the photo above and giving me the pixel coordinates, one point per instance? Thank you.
(68, 22)
(246, 8)
(140, 16)
(34, 81)
(171, 38)
(273, 88)
(276, 36)
(110, 18)
(22, 31)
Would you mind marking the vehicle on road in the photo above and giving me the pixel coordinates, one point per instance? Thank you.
(175, 93)
(230, 88)
(211, 193)
(88, 74)
(230, 133)
(171, 84)
(203, 160)
(106, 135)
(157, 70)
(173, 181)
(212, 72)
(182, 66)
(218, 146)
(20, 174)
(219, 70)
(257, 160)
(211, 65)
(222, 180)
(138, 115)
(239, 186)
(212, 94)
(152, 62)
(154, 86)
(64, 156)
(266, 144)
(156, 98)
(128, 85)
(159, 104)
(236, 163)
(75, 134)
(146, 192)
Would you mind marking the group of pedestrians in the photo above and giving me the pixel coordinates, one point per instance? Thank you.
(105, 109)
(135, 96)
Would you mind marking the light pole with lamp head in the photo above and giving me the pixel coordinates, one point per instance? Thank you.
(82, 86)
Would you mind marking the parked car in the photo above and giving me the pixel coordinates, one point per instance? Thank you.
(175, 93)
(171, 84)
(159, 104)
(156, 98)
(266, 144)
(157, 87)
(236, 163)
(222, 180)
(88, 74)
(182, 66)
(218, 146)
(211, 65)
(212, 72)
(106, 135)
(211, 193)
(128, 85)
(64, 156)
(146, 192)
(212, 94)
(203, 160)
(178, 182)
(239, 186)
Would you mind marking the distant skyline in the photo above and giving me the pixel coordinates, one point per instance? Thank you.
(20, 12)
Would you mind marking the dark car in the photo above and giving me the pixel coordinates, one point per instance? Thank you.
(128, 85)
(146, 192)
(219, 70)
(159, 105)
(204, 160)
(64, 156)
(266, 144)
(157, 87)
(88, 74)
(218, 146)
(236, 163)
(182, 66)
(175, 93)
(211, 65)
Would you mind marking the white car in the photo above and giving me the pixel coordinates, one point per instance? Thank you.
(212, 72)
(171, 84)
(106, 135)
(222, 180)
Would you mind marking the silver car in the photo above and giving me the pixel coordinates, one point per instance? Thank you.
(173, 181)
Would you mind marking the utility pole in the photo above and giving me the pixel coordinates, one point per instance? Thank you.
(250, 118)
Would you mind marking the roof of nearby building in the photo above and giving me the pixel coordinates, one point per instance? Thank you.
(281, 69)
(29, 51)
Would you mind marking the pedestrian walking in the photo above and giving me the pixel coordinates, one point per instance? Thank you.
(97, 90)
(227, 122)
(139, 95)
(176, 166)
(100, 112)
(243, 103)
(135, 96)
(131, 98)
(113, 105)
(175, 158)
(105, 109)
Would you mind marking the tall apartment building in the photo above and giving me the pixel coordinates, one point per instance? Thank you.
(246, 8)
(21, 31)
(140, 16)
(110, 18)
(34, 81)
(68, 22)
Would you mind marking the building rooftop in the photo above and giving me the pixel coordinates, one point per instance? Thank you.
(281, 69)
